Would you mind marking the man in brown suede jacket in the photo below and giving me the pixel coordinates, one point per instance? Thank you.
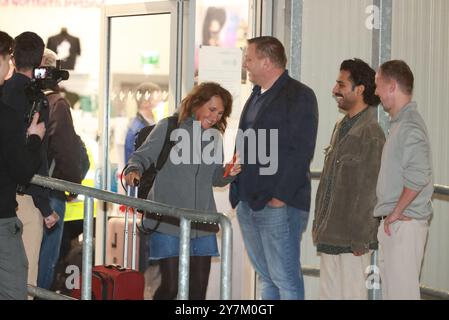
(344, 229)
(63, 162)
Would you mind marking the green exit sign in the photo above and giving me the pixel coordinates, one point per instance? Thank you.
(150, 58)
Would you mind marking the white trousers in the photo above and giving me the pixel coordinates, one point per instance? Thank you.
(343, 277)
(400, 259)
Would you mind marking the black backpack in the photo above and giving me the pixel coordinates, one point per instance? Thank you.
(147, 179)
(84, 164)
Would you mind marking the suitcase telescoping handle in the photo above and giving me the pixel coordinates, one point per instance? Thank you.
(129, 193)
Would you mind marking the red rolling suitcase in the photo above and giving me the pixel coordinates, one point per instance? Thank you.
(114, 282)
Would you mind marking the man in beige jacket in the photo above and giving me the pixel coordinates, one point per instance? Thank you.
(404, 187)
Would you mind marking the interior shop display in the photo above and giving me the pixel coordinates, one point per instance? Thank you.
(66, 46)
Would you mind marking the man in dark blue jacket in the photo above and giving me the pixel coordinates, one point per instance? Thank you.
(34, 208)
(279, 124)
(19, 160)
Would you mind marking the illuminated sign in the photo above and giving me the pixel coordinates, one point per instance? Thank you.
(52, 3)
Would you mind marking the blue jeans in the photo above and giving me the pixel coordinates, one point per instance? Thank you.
(50, 246)
(162, 246)
(272, 239)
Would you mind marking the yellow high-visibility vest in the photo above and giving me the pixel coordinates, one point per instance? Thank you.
(75, 209)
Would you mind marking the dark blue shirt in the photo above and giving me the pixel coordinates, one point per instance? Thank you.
(256, 101)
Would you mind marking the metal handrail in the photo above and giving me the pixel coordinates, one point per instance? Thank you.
(437, 188)
(46, 294)
(313, 271)
(186, 216)
(441, 189)
(441, 294)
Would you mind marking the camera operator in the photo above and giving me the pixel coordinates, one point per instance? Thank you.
(18, 163)
(63, 157)
(34, 202)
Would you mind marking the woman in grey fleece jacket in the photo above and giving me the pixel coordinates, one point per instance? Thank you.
(194, 166)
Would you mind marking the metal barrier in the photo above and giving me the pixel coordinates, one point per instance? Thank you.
(46, 294)
(438, 189)
(186, 216)
(431, 292)
(313, 271)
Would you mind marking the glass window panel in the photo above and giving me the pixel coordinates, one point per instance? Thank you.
(139, 82)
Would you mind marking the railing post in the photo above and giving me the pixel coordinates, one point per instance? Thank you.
(86, 288)
(134, 237)
(226, 259)
(184, 259)
(374, 291)
(125, 240)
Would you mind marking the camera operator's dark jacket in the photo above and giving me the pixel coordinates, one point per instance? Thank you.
(14, 95)
(63, 142)
(18, 162)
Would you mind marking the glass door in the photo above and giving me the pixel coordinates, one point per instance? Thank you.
(139, 86)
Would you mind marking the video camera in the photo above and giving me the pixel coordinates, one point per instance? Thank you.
(43, 78)
(49, 77)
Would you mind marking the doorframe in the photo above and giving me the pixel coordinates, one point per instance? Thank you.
(175, 9)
